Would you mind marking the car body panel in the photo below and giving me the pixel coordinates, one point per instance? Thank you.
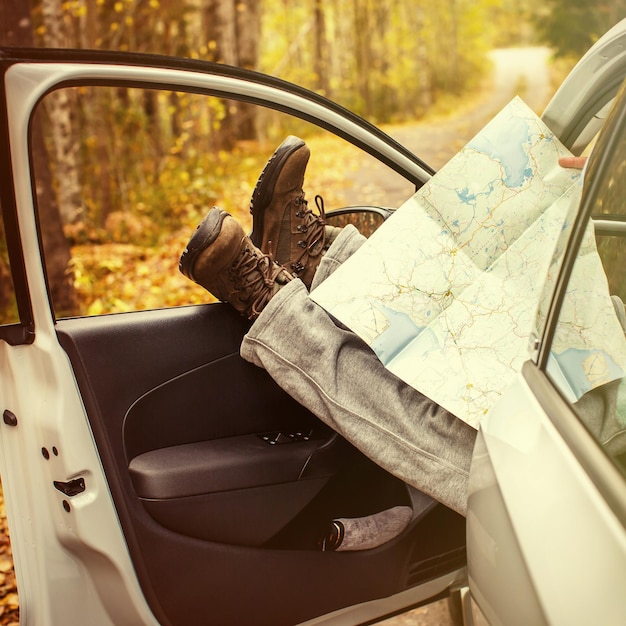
(578, 108)
(55, 421)
(552, 509)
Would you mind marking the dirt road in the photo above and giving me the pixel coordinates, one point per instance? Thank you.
(516, 71)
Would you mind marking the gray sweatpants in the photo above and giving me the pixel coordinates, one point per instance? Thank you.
(334, 374)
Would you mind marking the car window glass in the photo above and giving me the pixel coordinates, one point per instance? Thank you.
(8, 303)
(588, 353)
(134, 171)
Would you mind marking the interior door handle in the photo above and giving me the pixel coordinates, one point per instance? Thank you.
(72, 487)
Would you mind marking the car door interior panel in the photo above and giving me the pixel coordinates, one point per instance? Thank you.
(224, 484)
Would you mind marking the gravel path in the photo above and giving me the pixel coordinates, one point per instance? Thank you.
(516, 71)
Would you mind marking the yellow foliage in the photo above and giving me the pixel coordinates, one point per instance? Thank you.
(9, 601)
(134, 264)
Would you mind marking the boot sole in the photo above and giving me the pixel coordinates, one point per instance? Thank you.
(206, 233)
(261, 197)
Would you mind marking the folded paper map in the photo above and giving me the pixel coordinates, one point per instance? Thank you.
(446, 291)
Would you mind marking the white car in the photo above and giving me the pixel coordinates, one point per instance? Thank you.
(138, 483)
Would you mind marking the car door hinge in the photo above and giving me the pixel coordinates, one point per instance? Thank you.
(72, 487)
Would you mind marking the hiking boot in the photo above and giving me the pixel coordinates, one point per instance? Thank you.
(283, 226)
(223, 260)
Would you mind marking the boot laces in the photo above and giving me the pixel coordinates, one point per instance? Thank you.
(312, 229)
(253, 276)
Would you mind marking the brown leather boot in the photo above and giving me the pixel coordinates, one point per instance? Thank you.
(222, 259)
(283, 226)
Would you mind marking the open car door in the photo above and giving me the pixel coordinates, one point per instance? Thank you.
(547, 508)
(150, 474)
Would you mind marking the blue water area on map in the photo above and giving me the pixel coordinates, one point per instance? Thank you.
(400, 332)
(465, 195)
(507, 144)
(582, 379)
(468, 197)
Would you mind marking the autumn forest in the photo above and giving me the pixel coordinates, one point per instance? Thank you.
(115, 212)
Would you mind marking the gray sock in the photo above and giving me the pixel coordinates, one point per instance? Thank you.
(365, 533)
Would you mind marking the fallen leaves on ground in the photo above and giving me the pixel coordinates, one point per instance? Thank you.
(9, 603)
(134, 266)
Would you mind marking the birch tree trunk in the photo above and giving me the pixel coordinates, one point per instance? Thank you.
(363, 53)
(248, 34)
(59, 106)
(423, 63)
(232, 31)
(16, 30)
(320, 63)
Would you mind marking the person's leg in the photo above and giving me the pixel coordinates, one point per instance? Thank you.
(327, 368)
(345, 242)
(337, 377)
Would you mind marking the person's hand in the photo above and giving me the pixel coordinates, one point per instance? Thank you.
(576, 162)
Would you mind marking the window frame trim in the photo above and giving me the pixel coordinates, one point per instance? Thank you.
(23, 331)
(48, 70)
(601, 470)
(597, 464)
(612, 132)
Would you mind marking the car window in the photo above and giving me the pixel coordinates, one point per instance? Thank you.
(588, 352)
(8, 302)
(135, 170)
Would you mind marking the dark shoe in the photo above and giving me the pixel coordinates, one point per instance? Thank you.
(222, 259)
(283, 226)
